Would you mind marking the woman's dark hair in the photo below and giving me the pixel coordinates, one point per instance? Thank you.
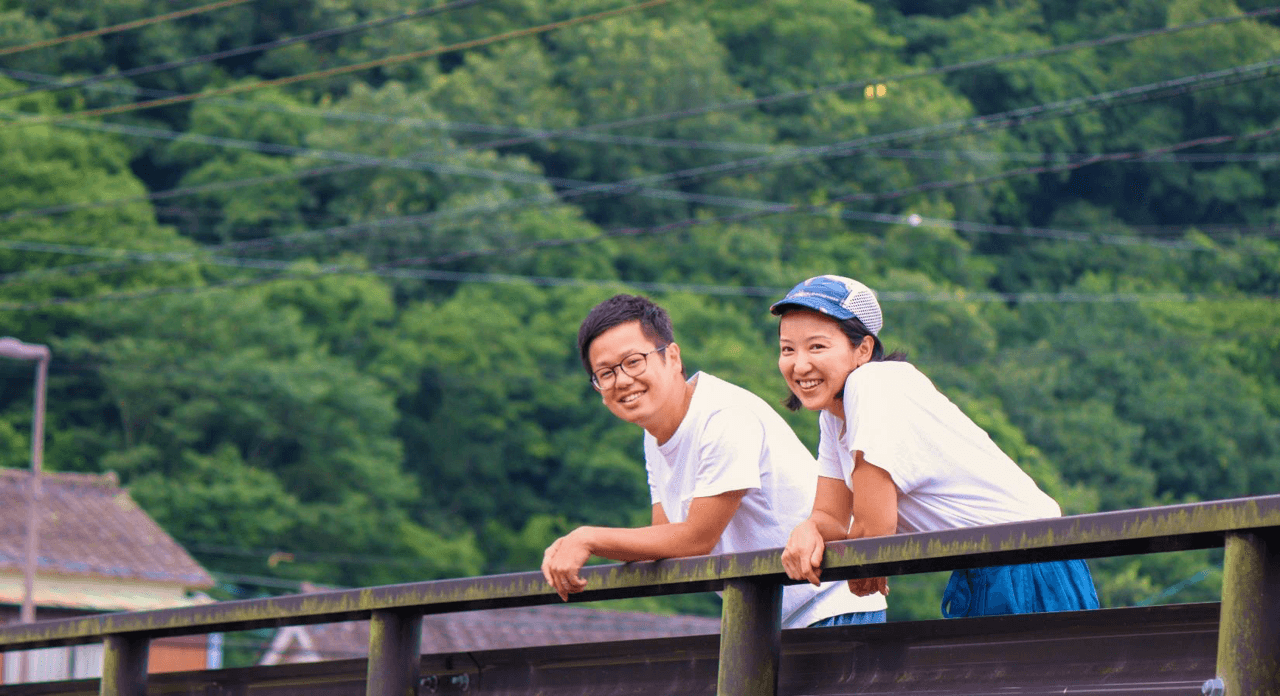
(856, 332)
(655, 323)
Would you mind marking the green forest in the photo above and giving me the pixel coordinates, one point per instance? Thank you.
(312, 272)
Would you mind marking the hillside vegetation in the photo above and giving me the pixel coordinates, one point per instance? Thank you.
(331, 312)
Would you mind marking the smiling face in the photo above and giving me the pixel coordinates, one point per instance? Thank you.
(655, 400)
(815, 357)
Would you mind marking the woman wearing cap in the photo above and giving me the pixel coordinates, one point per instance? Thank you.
(898, 456)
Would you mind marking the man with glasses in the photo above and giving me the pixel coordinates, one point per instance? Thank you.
(726, 473)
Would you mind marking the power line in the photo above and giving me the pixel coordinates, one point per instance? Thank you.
(330, 114)
(1175, 86)
(341, 70)
(824, 210)
(1004, 119)
(1174, 589)
(135, 24)
(231, 53)
(1260, 70)
(395, 269)
(319, 557)
(768, 99)
(1072, 298)
(267, 581)
(1094, 42)
(624, 140)
(901, 77)
(755, 209)
(992, 156)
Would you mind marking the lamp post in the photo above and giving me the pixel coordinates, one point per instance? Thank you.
(17, 350)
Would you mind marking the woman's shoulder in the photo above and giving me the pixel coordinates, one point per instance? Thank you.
(884, 374)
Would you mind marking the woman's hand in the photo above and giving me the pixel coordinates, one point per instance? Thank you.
(869, 586)
(802, 557)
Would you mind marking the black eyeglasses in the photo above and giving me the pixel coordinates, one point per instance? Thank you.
(633, 365)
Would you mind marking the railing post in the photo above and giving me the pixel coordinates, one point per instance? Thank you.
(395, 650)
(1249, 630)
(750, 639)
(124, 666)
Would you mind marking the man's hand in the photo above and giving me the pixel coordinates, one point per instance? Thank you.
(562, 561)
(869, 586)
(802, 557)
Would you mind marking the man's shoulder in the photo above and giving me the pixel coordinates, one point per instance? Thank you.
(722, 392)
(723, 399)
(738, 411)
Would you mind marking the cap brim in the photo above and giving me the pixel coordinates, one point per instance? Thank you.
(816, 304)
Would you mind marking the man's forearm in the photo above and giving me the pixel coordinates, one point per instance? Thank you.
(673, 540)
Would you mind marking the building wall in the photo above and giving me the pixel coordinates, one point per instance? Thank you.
(92, 593)
(171, 654)
(178, 654)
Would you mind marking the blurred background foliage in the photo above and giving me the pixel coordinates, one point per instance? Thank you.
(337, 318)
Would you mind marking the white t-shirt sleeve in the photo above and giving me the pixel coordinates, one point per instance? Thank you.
(881, 417)
(650, 452)
(829, 462)
(732, 446)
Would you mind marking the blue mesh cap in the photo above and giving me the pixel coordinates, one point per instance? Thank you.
(838, 297)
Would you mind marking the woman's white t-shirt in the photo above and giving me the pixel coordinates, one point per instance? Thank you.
(948, 471)
(732, 440)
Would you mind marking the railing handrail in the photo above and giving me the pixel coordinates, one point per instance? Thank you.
(1145, 530)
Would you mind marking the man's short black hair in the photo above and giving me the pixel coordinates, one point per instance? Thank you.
(655, 323)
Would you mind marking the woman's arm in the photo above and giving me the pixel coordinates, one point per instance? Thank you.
(802, 557)
(875, 513)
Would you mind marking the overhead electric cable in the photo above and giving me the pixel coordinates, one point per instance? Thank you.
(755, 208)
(319, 556)
(976, 124)
(1174, 589)
(341, 70)
(1260, 70)
(580, 132)
(1102, 41)
(760, 208)
(961, 296)
(767, 99)
(243, 50)
(135, 24)
(267, 581)
(929, 72)
(330, 114)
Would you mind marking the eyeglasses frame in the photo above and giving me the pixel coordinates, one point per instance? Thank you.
(614, 369)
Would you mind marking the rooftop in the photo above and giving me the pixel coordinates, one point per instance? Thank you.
(89, 526)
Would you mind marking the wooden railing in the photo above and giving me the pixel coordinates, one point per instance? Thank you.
(1248, 659)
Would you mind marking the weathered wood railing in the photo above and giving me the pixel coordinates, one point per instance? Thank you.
(1248, 659)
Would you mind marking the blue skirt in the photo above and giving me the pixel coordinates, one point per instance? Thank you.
(1020, 589)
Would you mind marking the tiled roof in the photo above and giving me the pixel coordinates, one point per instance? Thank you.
(89, 526)
(492, 629)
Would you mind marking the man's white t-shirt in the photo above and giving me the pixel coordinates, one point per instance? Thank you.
(948, 471)
(732, 440)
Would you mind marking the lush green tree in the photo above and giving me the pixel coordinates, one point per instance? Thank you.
(404, 401)
(230, 403)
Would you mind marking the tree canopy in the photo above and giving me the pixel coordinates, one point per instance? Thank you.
(335, 319)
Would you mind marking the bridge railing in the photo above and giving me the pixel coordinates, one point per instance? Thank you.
(1248, 659)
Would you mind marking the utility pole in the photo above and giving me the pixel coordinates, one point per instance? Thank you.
(40, 354)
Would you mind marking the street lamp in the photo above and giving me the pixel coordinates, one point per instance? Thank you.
(17, 350)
